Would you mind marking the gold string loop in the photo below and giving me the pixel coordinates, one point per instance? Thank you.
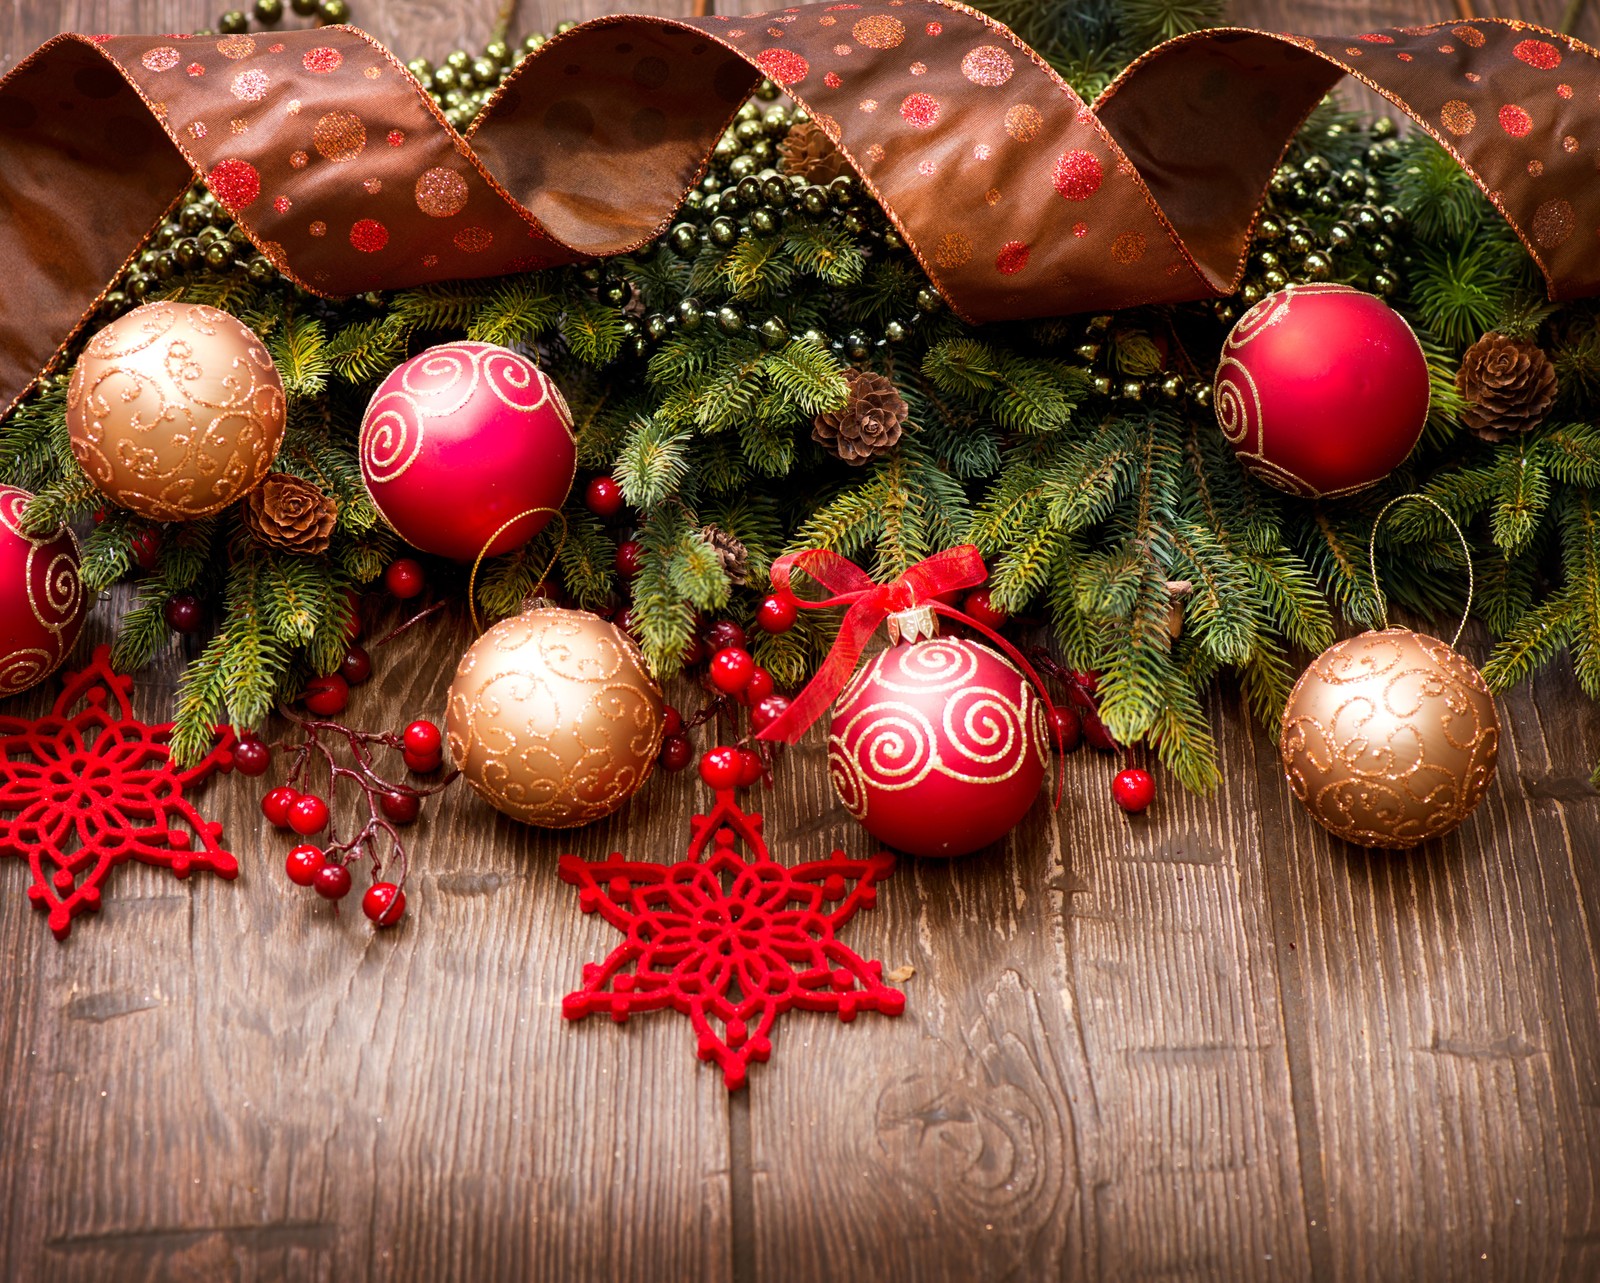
(1372, 559)
(472, 581)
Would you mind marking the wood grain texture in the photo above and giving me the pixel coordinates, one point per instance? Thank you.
(1210, 1043)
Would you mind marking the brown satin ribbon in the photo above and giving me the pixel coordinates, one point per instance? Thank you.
(1017, 198)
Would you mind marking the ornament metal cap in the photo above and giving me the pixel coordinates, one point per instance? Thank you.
(913, 625)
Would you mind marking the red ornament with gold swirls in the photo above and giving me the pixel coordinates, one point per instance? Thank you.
(938, 747)
(461, 440)
(41, 597)
(1322, 390)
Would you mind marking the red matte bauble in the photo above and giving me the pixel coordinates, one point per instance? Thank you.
(41, 597)
(938, 747)
(460, 440)
(1322, 390)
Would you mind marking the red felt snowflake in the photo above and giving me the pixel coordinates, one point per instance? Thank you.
(730, 942)
(82, 791)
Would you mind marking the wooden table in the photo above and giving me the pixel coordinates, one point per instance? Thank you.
(1209, 1043)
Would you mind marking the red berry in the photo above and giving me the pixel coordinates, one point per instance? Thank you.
(603, 497)
(721, 767)
(751, 767)
(400, 805)
(693, 653)
(980, 606)
(776, 614)
(423, 763)
(731, 670)
(275, 805)
(405, 578)
(147, 548)
(183, 613)
(629, 558)
(725, 635)
(332, 882)
(765, 712)
(356, 667)
(251, 757)
(384, 903)
(304, 863)
(676, 752)
(1066, 728)
(1095, 732)
(758, 687)
(423, 739)
(327, 696)
(308, 815)
(1133, 789)
(671, 720)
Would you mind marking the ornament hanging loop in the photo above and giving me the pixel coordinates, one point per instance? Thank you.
(472, 580)
(1466, 554)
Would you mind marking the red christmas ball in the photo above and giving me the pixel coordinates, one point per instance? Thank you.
(41, 597)
(458, 441)
(603, 497)
(938, 747)
(1322, 390)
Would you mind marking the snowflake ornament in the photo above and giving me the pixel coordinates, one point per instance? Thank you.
(88, 787)
(729, 941)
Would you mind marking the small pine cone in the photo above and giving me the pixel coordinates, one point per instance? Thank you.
(733, 555)
(809, 152)
(1509, 386)
(870, 423)
(292, 514)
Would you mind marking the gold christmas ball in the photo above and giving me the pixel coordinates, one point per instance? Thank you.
(1390, 739)
(175, 410)
(554, 718)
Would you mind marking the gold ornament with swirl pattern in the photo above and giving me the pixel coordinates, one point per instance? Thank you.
(553, 717)
(175, 410)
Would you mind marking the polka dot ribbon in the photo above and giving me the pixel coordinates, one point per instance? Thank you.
(1019, 199)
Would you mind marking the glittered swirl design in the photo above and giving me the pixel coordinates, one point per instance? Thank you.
(1390, 738)
(41, 597)
(175, 410)
(946, 708)
(553, 718)
(1018, 198)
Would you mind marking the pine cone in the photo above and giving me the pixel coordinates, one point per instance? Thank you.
(733, 555)
(1509, 386)
(809, 152)
(289, 513)
(870, 423)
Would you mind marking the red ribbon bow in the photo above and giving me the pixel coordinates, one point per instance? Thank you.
(870, 604)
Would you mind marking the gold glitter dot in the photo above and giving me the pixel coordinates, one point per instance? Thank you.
(954, 250)
(1553, 222)
(981, 152)
(250, 86)
(843, 51)
(919, 69)
(1474, 77)
(992, 196)
(237, 125)
(372, 73)
(318, 228)
(1458, 117)
(298, 159)
(372, 185)
(236, 47)
(1468, 36)
(879, 32)
(1024, 123)
(198, 129)
(162, 59)
(869, 105)
(988, 65)
(1569, 143)
(1447, 48)
(1127, 248)
(827, 20)
(1536, 167)
(292, 106)
(927, 168)
(340, 136)
(441, 192)
(875, 153)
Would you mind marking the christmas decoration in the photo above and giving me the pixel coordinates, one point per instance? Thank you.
(175, 410)
(89, 787)
(462, 440)
(553, 718)
(1508, 385)
(1322, 389)
(808, 151)
(869, 424)
(291, 514)
(730, 940)
(1391, 738)
(732, 556)
(41, 597)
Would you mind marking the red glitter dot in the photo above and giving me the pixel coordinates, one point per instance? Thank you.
(832, 80)
(1079, 175)
(1563, 91)
(1538, 53)
(921, 111)
(396, 137)
(322, 59)
(1515, 121)
(1080, 230)
(1012, 258)
(283, 204)
(369, 235)
(1377, 38)
(195, 69)
(277, 48)
(235, 183)
(935, 28)
(783, 66)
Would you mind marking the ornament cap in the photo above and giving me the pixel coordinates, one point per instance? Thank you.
(912, 625)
